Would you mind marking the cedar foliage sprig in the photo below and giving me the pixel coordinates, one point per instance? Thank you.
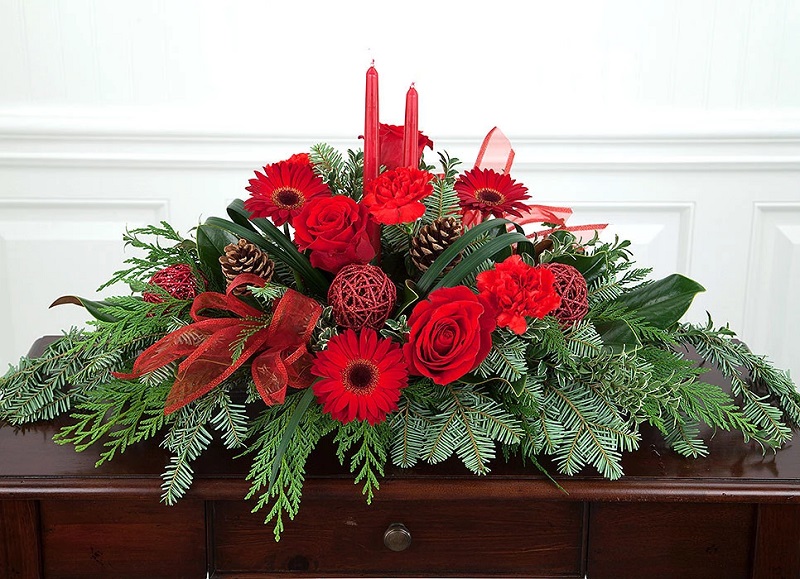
(157, 256)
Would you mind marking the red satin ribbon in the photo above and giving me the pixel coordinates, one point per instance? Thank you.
(281, 356)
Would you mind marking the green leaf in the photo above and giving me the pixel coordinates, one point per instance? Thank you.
(425, 283)
(488, 250)
(662, 303)
(211, 242)
(410, 296)
(281, 247)
(93, 307)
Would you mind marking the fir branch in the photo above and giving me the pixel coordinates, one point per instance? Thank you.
(506, 359)
(396, 238)
(605, 312)
(547, 340)
(231, 421)
(780, 400)
(371, 445)
(121, 412)
(466, 422)
(610, 286)
(594, 432)
(443, 202)
(343, 177)
(327, 163)
(188, 437)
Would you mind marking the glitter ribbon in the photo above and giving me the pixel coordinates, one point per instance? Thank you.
(279, 352)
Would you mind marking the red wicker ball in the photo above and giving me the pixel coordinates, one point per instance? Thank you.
(177, 280)
(361, 296)
(571, 286)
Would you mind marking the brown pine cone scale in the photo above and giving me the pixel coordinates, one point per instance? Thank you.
(245, 257)
(432, 240)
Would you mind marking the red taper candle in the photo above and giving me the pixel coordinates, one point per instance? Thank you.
(372, 146)
(411, 130)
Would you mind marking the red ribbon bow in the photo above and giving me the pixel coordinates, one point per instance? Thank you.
(281, 356)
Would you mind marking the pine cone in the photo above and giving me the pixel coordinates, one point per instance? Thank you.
(432, 240)
(244, 257)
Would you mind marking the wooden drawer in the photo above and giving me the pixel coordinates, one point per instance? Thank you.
(82, 539)
(336, 533)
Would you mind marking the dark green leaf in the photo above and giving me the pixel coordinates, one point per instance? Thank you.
(211, 242)
(93, 307)
(662, 303)
(281, 247)
(425, 283)
(488, 250)
(590, 266)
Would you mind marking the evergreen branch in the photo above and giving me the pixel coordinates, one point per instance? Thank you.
(371, 444)
(187, 439)
(231, 421)
(409, 425)
(768, 411)
(594, 430)
(158, 257)
(443, 202)
(466, 422)
(282, 490)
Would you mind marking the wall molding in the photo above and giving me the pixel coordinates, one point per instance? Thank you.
(73, 141)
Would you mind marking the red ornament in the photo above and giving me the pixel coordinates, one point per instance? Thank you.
(177, 280)
(571, 286)
(362, 296)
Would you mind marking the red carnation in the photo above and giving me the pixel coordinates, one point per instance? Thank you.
(391, 140)
(282, 190)
(300, 158)
(451, 334)
(517, 290)
(335, 230)
(394, 196)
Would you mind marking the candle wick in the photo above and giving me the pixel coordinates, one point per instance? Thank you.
(373, 62)
(412, 85)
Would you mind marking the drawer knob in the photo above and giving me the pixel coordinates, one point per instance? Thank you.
(397, 537)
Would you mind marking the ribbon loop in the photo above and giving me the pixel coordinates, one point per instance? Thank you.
(278, 349)
(495, 153)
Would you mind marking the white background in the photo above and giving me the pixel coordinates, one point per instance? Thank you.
(678, 122)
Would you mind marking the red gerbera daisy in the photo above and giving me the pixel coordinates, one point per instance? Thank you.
(282, 190)
(491, 193)
(362, 376)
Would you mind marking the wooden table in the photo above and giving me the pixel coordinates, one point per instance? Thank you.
(733, 514)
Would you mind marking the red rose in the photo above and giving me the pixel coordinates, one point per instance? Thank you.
(516, 290)
(391, 140)
(335, 230)
(394, 196)
(451, 334)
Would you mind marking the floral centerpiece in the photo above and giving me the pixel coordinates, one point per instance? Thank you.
(404, 309)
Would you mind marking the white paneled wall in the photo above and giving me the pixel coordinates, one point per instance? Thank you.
(677, 122)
